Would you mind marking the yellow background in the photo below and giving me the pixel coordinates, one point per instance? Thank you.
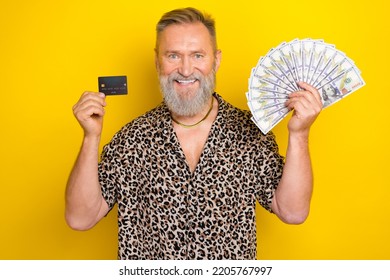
(52, 51)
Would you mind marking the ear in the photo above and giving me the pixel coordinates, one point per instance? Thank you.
(218, 57)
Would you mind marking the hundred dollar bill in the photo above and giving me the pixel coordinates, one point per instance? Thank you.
(267, 79)
(329, 58)
(265, 106)
(266, 123)
(335, 69)
(277, 74)
(258, 87)
(342, 85)
(277, 66)
(318, 64)
(309, 49)
(273, 75)
(266, 100)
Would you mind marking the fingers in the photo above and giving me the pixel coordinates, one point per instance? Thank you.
(90, 103)
(89, 112)
(311, 89)
(97, 98)
(307, 99)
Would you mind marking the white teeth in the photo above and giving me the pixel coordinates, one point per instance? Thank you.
(185, 81)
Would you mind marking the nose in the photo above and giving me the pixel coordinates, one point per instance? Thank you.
(186, 67)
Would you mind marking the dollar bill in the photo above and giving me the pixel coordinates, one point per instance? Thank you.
(343, 84)
(277, 74)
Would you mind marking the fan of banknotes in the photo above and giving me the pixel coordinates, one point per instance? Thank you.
(278, 72)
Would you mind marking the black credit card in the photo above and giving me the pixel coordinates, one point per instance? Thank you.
(113, 85)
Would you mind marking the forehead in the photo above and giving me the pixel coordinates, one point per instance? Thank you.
(188, 35)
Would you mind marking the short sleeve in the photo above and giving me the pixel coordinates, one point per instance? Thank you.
(270, 167)
(108, 172)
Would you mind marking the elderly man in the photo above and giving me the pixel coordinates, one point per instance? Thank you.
(187, 174)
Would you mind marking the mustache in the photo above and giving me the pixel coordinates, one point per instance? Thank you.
(177, 76)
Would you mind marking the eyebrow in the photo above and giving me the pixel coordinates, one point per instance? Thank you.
(180, 51)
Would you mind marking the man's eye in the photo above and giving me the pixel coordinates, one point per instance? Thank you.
(173, 56)
(198, 55)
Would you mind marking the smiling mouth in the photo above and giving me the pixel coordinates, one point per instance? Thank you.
(186, 82)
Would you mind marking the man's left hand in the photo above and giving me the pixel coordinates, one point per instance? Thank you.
(307, 105)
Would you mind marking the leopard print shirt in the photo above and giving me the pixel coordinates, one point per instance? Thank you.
(167, 212)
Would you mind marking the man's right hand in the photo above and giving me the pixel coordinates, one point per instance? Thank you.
(85, 205)
(89, 112)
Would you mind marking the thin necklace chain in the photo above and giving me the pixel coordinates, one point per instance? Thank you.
(195, 124)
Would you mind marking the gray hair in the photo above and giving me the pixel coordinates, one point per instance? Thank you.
(187, 15)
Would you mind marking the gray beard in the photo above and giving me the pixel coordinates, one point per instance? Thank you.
(180, 104)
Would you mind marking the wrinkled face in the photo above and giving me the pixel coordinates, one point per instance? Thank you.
(186, 63)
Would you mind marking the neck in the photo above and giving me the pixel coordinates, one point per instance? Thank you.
(188, 122)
